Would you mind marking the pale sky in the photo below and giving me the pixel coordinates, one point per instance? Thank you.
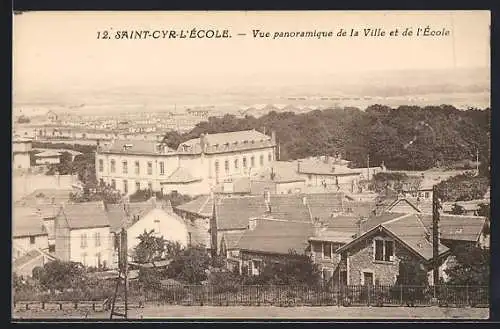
(58, 50)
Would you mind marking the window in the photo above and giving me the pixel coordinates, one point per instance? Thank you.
(367, 278)
(327, 250)
(252, 162)
(384, 250)
(162, 168)
(216, 167)
(97, 239)
(83, 240)
(113, 184)
(426, 195)
(244, 162)
(52, 248)
(157, 224)
(137, 186)
(125, 167)
(226, 166)
(235, 163)
(150, 186)
(101, 165)
(113, 166)
(150, 168)
(125, 186)
(270, 157)
(32, 239)
(261, 160)
(389, 251)
(327, 274)
(256, 266)
(137, 168)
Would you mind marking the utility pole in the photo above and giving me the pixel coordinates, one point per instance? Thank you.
(477, 161)
(368, 166)
(123, 270)
(435, 236)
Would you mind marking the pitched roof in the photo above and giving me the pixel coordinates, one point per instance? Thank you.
(318, 167)
(399, 201)
(407, 229)
(48, 154)
(180, 175)
(85, 215)
(137, 147)
(414, 234)
(323, 205)
(289, 207)
(45, 196)
(227, 142)
(457, 227)
(333, 236)
(28, 257)
(277, 237)
(122, 215)
(26, 222)
(232, 239)
(234, 212)
(346, 224)
(201, 206)
(283, 172)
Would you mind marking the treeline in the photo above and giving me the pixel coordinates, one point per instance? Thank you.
(404, 138)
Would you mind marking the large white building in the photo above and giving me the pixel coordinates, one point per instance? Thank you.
(194, 168)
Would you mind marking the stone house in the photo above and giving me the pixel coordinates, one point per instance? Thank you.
(374, 256)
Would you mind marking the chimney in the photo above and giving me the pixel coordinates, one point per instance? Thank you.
(267, 201)
(361, 225)
(273, 137)
(318, 226)
(298, 166)
(304, 200)
(252, 223)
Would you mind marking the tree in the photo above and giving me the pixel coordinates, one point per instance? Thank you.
(457, 209)
(472, 266)
(59, 275)
(150, 248)
(190, 265)
(23, 119)
(291, 269)
(463, 187)
(65, 166)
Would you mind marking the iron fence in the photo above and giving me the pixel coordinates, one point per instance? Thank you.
(351, 295)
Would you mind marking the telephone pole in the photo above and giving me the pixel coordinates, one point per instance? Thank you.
(435, 236)
(123, 270)
(368, 166)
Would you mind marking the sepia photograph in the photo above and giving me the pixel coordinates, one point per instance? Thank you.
(251, 165)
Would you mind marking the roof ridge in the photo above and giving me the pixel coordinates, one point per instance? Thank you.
(396, 219)
(204, 203)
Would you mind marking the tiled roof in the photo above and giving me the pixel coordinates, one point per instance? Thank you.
(283, 171)
(28, 257)
(409, 230)
(137, 147)
(277, 237)
(319, 167)
(180, 175)
(26, 222)
(232, 239)
(45, 196)
(289, 207)
(412, 232)
(227, 142)
(323, 205)
(405, 202)
(201, 206)
(333, 236)
(234, 212)
(346, 224)
(457, 227)
(122, 215)
(47, 154)
(85, 215)
(467, 205)
(376, 220)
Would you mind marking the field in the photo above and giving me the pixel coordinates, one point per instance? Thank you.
(326, 313)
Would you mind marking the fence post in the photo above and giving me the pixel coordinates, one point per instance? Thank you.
(467, 294)
(369, 293)
(401, 294)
